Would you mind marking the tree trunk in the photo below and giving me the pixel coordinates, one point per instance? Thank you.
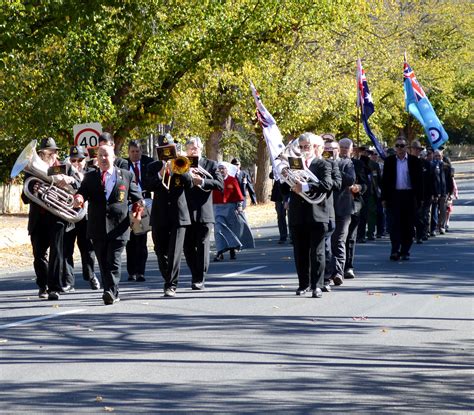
(213, 150)
(263, 184)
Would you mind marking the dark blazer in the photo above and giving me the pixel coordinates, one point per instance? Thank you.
(363, 181)
(390, 176)
(121, 163)
(109, 219)
(343, 199)
(169, 208)
(300, 211)
(245, 183)
(36, 212)
(144, 162)
(199, 200)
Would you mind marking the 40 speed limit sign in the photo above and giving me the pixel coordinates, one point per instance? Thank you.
(87, 135)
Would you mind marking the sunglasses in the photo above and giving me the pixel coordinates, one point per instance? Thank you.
(305, 147)
(74, 160)
(400, 145)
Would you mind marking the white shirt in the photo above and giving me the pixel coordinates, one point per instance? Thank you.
(403, 178)
(110, 180)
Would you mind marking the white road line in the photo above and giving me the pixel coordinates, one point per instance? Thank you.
(32, 320)
(234, 274)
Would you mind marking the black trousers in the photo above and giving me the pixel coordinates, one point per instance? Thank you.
(86, 250)
(196, 250)
(137, 254)
(402, 213)
(49, 233)
(309, 252)
(109, 257)
(281, 218)
(351, 242)
(168, 243)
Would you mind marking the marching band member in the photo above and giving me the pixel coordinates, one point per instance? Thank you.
(169, 216)
(108, 191)
(199, 200)
(137, 251)
(46, 230)
(79, 232)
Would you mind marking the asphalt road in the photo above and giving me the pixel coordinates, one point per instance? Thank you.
(397, 339)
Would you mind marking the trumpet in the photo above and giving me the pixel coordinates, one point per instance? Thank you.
(178, 165)
(292, 176)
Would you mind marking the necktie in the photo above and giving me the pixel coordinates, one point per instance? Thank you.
(104, 177)
(306, 162)
(137, 172)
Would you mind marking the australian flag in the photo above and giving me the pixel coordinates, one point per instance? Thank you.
(366, 104)
(271, 132)
(418, 105)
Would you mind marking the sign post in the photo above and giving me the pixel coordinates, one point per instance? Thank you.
(87, 135)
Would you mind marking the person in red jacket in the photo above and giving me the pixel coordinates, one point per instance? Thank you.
(231, 230)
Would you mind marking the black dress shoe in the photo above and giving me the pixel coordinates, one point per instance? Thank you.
(53, 296)
(94, 283)
(405, 257)
(338, 280)
(43, 293)
(282, 241)
(197, 286)
(132, 277)
(109, 298)
(68, 289)
(302, 291)
(326, 288)
(317, 293)
(419, 241)
(395, 256)
(170, 292)
(232, 254)
(140, 278)
(349, 274)
(219, 257)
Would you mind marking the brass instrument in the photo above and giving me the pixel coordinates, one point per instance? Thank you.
(177, 165)
(56, 200)
(292, 176)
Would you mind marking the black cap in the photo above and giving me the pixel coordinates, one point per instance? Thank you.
(76, 152)
(165, 139)
(48, 144)
(235, 161)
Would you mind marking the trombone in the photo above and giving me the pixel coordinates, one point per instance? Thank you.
(177, 165)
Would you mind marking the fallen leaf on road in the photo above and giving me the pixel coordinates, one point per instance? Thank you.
(437, 296)
(99, 398)
(394, 293)
(275, 306)
(282, 286)
(55, 305)
(359, 318)
(145, 303)
(384, 330)
(3, 341)
(108, 409)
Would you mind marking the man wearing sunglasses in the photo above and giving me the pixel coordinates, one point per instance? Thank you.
(402, 193)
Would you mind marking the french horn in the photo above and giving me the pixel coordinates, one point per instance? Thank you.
(58, 201)
(292, 176)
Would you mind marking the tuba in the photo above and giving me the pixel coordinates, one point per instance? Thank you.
(56, 200)
(292, 176)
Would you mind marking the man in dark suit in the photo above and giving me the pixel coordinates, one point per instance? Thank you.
(245, 183)
(109, 191)
(137, 251)
(46, 229)
(308, 222)
(402, 193)
(169, 216)
(199, 200)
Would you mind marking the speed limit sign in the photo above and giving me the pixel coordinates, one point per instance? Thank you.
(87, 135)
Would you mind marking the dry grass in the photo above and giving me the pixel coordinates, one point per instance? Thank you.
(19, 258)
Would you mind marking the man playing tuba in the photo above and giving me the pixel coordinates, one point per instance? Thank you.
(46, 229)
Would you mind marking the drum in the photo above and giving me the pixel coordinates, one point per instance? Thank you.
(139, 227)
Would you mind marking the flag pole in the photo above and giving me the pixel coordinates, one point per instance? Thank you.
(358, 104)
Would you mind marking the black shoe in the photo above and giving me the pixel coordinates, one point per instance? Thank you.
(326, 288)
(425, 238)
(379, 236)
(338, 280)
(94, 283)
(317, 293)
(370, 238)
(140, 278)
(232, 254)
(109, 298)
(219, 257)
(68, 289)
(349, 274)
(53, 296)
(197, 286)
(132, 277)
(170, 292)
(405, 256)
(43, 293)
(419, 241)
(395, 256)
(282, 241)
(361, 241)
(302, 291)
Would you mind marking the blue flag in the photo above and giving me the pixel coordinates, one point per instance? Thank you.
(366, 104)
(418, 105)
